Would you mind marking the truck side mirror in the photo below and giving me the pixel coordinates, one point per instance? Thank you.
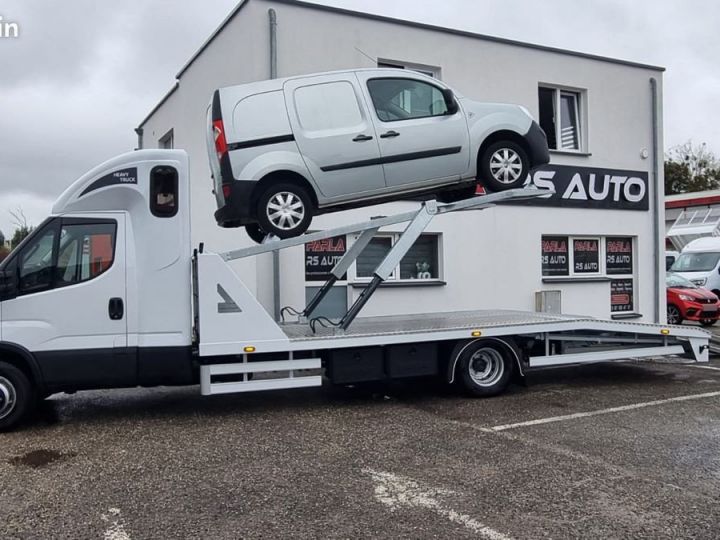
(450, 101)
(8, 289)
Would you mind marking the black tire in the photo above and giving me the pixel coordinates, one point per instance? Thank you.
(457, 194)
(484, 368)
(16, 387)
(289, 196)
(708, 322)
(498, 166)
(255, 233)
(674, 315)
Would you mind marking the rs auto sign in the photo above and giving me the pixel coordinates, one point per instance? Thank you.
(586, 187)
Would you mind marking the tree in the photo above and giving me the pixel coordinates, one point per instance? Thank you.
(3, 248)
(691, 168)
(22, 227)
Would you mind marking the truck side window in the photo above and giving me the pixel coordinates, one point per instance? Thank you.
(36, 263)
(85, 252)
(403, 99)
(163, 192)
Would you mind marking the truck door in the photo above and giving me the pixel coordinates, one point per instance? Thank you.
(335, 134)
(419, 140)
(68, 306)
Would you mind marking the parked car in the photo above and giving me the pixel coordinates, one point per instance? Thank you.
(699, 262)
(687, 301)
(285, 150)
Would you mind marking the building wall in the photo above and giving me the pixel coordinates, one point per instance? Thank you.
(490, 258)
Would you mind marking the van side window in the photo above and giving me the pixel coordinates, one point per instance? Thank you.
(163, 192)
(327, 106)
(403, 99)
(85, 251)
(36, 263)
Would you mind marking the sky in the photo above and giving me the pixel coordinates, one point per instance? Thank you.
(82, 74)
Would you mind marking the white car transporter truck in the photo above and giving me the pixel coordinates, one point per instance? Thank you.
(108, 293)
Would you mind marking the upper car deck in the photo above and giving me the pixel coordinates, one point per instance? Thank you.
(489, 322)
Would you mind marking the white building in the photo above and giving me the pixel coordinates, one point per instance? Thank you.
(598, 241)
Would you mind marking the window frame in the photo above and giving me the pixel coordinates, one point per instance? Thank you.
(153, 196)
(581, 113)
(374, 107)
(79, 222)
(395, 275)
(169, 137)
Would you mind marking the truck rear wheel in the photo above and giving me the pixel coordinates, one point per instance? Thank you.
(17, 396)
(284, 210)
(485, 368)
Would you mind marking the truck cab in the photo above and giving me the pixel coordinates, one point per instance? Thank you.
(83, 304)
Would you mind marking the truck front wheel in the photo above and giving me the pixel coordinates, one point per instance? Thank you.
(484, 368)
(284, 210)
(17, 396)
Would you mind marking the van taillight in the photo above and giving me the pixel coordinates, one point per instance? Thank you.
(220, 142)
(226, 191)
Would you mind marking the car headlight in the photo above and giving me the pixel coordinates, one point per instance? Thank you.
(699, 282)
(686, 298)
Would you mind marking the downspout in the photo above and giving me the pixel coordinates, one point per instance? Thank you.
(656, 197)
(139, 132)
(273, 75)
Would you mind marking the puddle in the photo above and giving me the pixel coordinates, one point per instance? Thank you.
(39, 458)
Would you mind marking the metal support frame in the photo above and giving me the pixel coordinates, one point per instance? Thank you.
(417, 220)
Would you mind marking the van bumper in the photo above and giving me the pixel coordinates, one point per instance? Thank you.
(238, 209)
(537, 143)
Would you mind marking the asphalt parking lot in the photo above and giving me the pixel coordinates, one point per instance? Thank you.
(612, 450)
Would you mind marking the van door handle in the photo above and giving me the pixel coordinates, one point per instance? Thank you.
(116, 309)
(362, 137)
(389, 134)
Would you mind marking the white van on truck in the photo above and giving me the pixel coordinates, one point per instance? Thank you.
(286, 149)
(108, 293)
(699, 262)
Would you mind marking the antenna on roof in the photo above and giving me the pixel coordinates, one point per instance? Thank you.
(374, 60)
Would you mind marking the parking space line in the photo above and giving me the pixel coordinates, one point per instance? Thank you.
(610, 410)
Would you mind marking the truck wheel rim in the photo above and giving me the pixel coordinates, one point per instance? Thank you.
(506, 165)
(486, 367)
(673, 315)
(285, 210)
(8, 397)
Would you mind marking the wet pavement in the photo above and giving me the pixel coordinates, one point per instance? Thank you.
(612, 450)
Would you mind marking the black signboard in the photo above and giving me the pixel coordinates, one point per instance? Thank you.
(555, 256)
(588, 187)
(621, 295)
(586, 255)
(322, 256)
(619, 255)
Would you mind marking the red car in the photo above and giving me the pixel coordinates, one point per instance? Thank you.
(687, 301)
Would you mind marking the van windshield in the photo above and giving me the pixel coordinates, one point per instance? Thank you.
(696, 262)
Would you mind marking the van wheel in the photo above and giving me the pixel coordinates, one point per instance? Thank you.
(504, 165)
(673, 314)
(17, 396)
(285, 210)
(255, 233)
(485, 369)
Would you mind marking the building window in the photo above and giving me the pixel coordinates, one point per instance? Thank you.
(404, 99)
(167, 141)
(430, 71)
(421, 262)
(560, 118)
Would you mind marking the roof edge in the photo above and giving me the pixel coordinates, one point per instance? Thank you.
(160, 104)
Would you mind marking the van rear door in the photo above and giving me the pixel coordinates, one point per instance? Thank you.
(335, 134)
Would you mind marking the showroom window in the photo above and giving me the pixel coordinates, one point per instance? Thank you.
(421, 263)
(404, 99)
(561, 117)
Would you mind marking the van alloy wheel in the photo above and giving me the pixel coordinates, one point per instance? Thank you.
(506, 166)
(285, 210)
(8, 397)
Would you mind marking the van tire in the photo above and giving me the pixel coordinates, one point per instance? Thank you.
(284, 210)
(485, 368)
(16, 387)
(498, 166)
(255, 233)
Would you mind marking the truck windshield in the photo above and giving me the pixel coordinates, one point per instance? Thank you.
(696, 262)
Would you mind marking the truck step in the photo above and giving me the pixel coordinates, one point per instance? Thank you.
(209, 386)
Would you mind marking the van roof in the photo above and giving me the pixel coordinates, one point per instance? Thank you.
(708, 243)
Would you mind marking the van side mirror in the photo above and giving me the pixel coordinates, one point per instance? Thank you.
(450, 101)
